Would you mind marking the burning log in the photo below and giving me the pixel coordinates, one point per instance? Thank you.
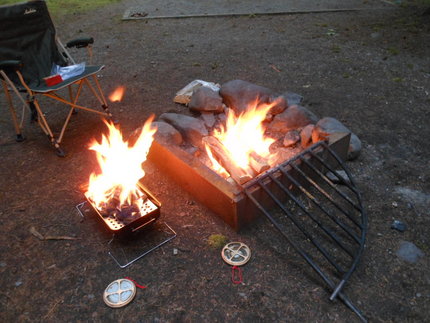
(258, 163)
(239, 175)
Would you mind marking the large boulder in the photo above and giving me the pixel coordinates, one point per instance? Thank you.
(327, 126)
(294, 117)
(238, 95)
(207, 100)
(192, 129)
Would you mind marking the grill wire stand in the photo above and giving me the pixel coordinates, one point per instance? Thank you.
(126, 263)
(324, 222)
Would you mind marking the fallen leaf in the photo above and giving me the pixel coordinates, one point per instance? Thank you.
(275, 68)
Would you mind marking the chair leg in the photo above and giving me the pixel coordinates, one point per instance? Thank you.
(102, 99)
(110, 115)
(19, 136)
(72, 99)
(33, 117)
(60, 152)
(41, 120)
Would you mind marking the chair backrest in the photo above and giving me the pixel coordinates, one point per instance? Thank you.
(28, 34)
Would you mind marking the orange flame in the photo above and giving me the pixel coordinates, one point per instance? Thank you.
(120, 165)
(117, 94)
(215, 165)
(244, 134)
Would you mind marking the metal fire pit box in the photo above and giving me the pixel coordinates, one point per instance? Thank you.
(149, 213)
(225, 198)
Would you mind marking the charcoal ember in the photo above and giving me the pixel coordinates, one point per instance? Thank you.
(292, 118)
(238, 95)
(207, 100)
(130, 218)
(128, 213)
(113, 203)
(109, 208)
(192, 129)
(327, 126)
(109, 212)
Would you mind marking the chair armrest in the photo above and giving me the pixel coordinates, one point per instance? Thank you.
(80, 42)
(10, 64)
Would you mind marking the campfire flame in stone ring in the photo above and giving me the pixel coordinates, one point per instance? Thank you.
(242, 138)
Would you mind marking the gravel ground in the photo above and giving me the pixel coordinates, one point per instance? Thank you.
(369, 69)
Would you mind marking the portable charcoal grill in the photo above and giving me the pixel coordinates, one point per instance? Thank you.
(324, 222)
(128, 228)
(123, 225)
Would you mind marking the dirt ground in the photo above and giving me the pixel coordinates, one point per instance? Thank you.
(370, 69)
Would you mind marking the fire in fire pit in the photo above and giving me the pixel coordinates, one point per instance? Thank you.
(241, 145)
(115, 192)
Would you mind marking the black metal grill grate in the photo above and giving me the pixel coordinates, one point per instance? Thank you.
(323, 221)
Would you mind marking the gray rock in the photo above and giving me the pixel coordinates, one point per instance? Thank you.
(306, 135)
(327, 126)
(376, 35)
(292, 98)
(205, 99)
(208, 118)
(239, 94)
(292, 118)
(409, 252)
(398, 225)
(222, 117)
(335, 179)
(165, 134)
(192, 129)
(291, 138)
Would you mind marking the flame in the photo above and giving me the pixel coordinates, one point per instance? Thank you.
(117, 94)
(244, 134)
(120, 165)
(215, 165)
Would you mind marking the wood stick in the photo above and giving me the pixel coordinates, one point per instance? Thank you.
(258, 163)
(239, 175)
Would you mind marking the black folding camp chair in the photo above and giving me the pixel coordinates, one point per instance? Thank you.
(29, 48)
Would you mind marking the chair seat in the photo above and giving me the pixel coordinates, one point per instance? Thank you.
(89, 70)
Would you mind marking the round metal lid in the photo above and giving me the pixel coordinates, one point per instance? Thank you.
(119, 293)
(236, 253)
